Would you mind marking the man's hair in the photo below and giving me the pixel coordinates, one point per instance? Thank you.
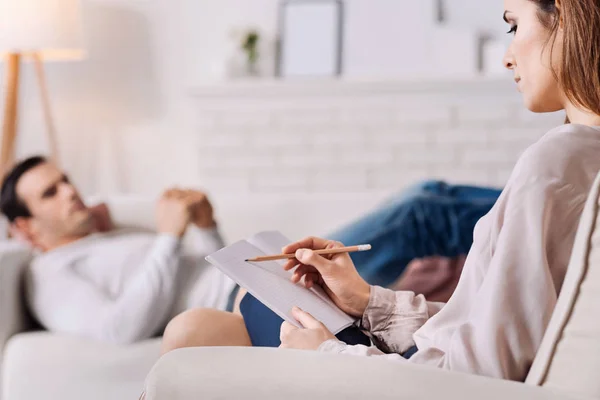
(10, 203)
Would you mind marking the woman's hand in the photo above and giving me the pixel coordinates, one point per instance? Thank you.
(336, 274)
(310, 337)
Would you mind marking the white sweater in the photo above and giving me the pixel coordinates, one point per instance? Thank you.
(125, 285)
(495, 321)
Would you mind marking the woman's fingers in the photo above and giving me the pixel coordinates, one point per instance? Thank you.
(309, 257)
(311, 279)
(310, 242)
(286, 330)
(306, 319)
(299, 273)
(332, 245)
(303, 271)
(291, 264)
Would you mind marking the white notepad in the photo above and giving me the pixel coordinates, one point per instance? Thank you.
(271, 285)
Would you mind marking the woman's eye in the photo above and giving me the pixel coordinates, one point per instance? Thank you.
(513, 30)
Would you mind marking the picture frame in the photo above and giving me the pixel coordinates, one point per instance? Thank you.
(311, 38)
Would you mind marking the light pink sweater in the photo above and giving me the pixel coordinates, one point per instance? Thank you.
(495, 321)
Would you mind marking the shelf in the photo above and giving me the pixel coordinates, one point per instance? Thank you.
(252, 88)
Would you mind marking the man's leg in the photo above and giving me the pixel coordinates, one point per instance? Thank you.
(205, 327)
(429, 219)
(434, 277)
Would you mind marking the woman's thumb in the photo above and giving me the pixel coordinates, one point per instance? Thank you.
(309, 257)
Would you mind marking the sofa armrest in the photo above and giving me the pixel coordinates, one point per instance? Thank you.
(14, 257)
(252, 373)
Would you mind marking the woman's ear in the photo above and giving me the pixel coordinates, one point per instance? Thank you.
(561, 19)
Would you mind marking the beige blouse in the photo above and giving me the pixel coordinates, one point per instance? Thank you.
(495, 321)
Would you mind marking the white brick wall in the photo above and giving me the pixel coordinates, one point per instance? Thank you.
(320, 137)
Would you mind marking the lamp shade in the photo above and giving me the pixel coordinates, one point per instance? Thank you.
(51, 28)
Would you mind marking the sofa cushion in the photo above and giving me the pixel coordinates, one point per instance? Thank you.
(13, 316)
(296, 215)
(48, 366)
(569, 356)
(14, 257)
(274, 374)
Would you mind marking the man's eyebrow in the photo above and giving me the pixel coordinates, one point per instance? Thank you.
(49, 187)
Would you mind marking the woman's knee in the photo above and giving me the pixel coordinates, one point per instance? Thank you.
(182, 331)
(205, 327)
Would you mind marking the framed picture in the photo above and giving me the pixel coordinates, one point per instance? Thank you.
(311, 38)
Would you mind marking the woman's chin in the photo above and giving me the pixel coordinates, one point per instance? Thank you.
(541, 101)
(538, 105)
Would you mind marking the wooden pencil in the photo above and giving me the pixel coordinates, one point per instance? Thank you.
(350, 249)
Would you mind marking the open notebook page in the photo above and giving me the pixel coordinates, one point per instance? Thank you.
(274, 289)
(271, 242)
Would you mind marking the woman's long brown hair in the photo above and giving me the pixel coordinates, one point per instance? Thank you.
(579, 70)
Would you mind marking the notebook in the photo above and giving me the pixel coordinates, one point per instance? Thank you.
(271, 285)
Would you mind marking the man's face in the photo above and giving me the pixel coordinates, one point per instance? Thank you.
(56, 208)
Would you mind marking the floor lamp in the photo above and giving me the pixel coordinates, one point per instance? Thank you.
(36, 31)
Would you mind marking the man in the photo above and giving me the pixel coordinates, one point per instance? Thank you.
(120, 285)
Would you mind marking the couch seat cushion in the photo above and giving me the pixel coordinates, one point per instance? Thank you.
(41, 365)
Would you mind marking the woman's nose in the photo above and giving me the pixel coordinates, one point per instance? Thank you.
(509, 60)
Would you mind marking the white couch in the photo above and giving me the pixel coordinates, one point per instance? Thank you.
(39, 365)
(566, 366)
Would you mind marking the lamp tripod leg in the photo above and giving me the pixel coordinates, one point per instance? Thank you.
(9, 129)
(50, 126)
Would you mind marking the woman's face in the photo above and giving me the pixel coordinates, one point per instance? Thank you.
(530, 56)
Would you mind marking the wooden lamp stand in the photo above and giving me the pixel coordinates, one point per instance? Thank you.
(11, 109)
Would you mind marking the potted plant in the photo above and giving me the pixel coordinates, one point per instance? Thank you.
(250, 44)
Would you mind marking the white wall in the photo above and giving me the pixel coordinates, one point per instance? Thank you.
(482, 15)
(125, 117)
(392, 38)
(119, 108)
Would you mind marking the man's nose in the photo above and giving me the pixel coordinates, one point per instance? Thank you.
(68, 190)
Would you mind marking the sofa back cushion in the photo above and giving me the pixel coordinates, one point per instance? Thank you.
(129, 211)
(569, 357)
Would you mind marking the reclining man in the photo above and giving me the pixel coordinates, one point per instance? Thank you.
(120, 285)
(123, 285)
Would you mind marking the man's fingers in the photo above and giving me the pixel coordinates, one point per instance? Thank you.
(169, 193)
(175, 191)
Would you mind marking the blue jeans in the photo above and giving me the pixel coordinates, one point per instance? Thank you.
(429, 219)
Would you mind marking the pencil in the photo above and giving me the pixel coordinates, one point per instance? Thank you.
(351, 249)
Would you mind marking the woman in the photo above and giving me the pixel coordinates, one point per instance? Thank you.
(495, 321)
